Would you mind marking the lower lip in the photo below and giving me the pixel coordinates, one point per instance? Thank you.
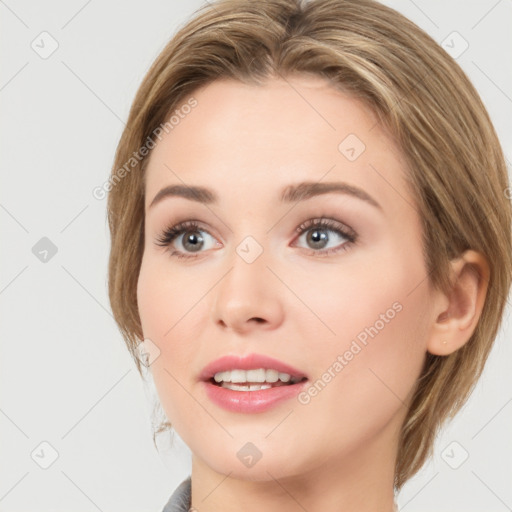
(251, 401)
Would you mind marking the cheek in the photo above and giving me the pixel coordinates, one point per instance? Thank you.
(172, 309)
(163, 298)
(374, 317)
(152, 301)
(385, 356)
(163, 305)
(343, 303)
(372, 382)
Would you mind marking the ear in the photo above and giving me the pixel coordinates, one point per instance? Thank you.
(458, 312)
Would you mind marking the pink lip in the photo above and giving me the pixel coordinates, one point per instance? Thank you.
(249, 362)
(249, 401)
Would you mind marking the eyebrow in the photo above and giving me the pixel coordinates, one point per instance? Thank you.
(290, 194)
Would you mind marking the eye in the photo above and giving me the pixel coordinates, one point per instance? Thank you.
(192, 242)
(316, 234)
(187, 239)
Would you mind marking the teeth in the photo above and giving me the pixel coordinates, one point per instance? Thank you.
(259, 375)
(243, 387)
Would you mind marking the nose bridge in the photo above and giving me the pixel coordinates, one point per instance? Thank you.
(248, 292)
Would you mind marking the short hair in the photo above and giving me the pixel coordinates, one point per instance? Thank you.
(421, 96)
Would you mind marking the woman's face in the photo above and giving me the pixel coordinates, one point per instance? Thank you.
(347, 303)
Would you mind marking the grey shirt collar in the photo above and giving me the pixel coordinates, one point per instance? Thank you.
(180, 500)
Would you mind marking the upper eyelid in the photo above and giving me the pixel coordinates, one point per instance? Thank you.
(325, 222)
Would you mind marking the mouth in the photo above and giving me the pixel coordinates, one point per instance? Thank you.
(251, 373)
(254, 380)
(251, 384)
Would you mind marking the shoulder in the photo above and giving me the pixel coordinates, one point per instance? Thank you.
(180, 499)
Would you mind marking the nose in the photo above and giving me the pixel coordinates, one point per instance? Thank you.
(248, 297)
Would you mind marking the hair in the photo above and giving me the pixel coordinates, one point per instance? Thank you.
(456, 167)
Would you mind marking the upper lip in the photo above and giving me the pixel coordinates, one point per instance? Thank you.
(249, 362)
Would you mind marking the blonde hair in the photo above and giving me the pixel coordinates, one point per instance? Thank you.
(457, 170)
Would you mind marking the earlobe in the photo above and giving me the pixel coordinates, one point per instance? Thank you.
(458, 313)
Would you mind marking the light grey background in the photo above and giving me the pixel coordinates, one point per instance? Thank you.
(66, 377)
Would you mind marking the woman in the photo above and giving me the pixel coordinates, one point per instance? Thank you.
(311, 243)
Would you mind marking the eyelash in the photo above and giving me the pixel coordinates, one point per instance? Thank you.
(170, 234)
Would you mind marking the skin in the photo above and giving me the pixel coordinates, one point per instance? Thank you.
(247, 143)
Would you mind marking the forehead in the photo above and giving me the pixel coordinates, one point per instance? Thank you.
(252, 137)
